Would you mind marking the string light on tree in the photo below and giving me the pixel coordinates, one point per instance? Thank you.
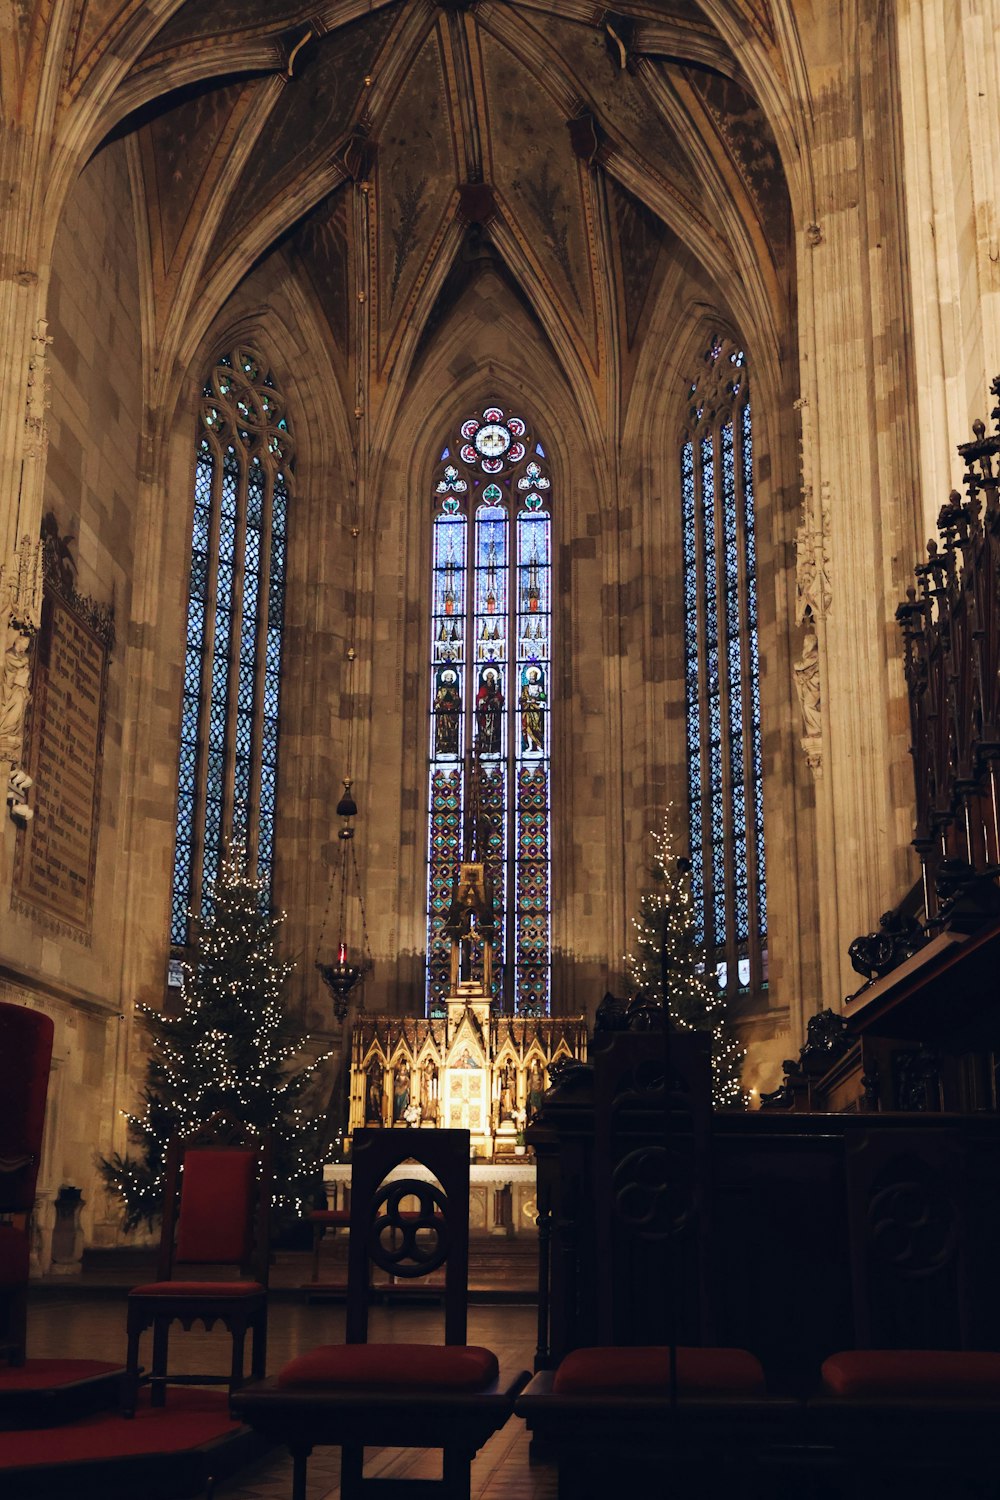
(233, 1047)
(668, 966)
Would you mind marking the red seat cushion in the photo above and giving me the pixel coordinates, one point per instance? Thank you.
(432, 1367)
(13, 1255)
(646, 1371)
(329, 1216)
(218, 1289)
(912, 1372)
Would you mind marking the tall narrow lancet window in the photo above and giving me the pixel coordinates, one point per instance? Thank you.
(232, 663)
(721, 671)
(490, 694)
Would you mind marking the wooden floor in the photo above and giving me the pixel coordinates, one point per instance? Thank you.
(94, 1326)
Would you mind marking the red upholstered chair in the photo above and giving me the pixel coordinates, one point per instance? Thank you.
(25, 1059)
(321, 1220)
(619, 1414)
(357, 1394)
(215, 1214)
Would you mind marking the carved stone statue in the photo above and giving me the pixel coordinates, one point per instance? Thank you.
(400, 1089)
(807, 686)
(373, 1093)
(15, 684)
(536, 1087)
(508, 1090)
(429, 1091)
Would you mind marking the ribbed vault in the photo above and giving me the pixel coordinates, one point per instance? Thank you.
(390, 149)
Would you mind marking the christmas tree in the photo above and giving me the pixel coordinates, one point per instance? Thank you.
(231, 1048)
(668, 966)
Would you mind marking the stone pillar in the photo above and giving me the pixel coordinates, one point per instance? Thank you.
(949, 60)
(858, 494)
(24, 341)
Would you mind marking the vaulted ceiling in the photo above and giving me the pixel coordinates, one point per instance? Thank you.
(393, 149)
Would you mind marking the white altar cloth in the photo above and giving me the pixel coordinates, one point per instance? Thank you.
(501, 1194)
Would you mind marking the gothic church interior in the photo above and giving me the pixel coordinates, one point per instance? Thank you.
(699, 295)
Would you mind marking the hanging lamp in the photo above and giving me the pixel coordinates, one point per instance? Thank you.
(346, 972)
(344, 975)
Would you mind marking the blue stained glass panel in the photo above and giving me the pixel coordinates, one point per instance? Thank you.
(532, 749)
(734, 685)
(237, 541)
(491, 606)
(271, 686)
(691, 687)
(490, 629)
(713, 695)
(191, 701)
(722, 686)
(750, 549)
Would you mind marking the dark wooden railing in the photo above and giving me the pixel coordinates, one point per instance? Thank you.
(951, 633)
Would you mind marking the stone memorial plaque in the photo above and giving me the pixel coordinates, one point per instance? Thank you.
(57, 850)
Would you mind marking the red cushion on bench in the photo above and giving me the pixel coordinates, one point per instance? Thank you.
(329, 1216)
(198, 1289)
(432, 1367)
(912, 1372)
(646, 1371)
(14, 1254)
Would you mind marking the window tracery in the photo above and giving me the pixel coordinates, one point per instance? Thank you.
(491, 616)
(227, 775)
(722, 671)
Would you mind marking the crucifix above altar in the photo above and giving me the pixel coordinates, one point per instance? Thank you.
(471, 928)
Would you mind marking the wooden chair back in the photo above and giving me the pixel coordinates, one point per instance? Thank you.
(403, 1241)
(217, 1200)
(910, 1245)
(652, 1188)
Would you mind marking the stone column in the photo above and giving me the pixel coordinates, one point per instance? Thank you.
(858, 489)
(24, 341)
(949, 60)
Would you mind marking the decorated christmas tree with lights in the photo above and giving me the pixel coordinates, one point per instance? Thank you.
(668, 966)
(233, 1048)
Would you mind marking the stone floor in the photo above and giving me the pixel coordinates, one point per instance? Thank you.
(92, 1323)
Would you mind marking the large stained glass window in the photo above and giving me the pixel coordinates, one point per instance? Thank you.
(490, 691)
(721, 671)
(232, 662)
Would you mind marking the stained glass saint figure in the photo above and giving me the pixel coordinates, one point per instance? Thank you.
(489, 704)
(533, 709)
(447, 707)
